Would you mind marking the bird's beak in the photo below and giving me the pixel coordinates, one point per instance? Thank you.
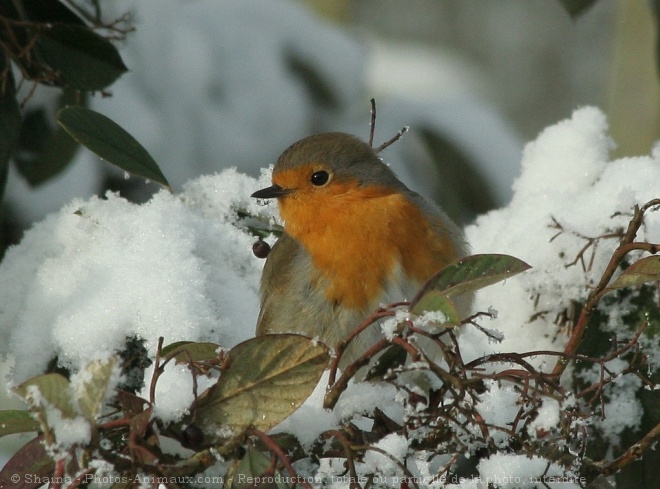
(271, 192)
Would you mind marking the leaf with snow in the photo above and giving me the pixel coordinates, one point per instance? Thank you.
(91, 391)
(110, 142)
(48, 391)
(472, 273)
(435, 301)
(268, 378)
(642, 271)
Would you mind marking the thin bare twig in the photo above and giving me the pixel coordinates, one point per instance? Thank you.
(372, 123)
(393, 140)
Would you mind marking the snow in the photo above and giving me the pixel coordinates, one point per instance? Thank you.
(181, 266)
(102, 270)
(67, 430)
(490, 407)
(566, 176)
(509, 471)
(395, 446)
(175, 391)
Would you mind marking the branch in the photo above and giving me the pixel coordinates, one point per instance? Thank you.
(627, 245)
(635, 452)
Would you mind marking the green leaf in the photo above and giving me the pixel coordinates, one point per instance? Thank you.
(10, 119)
(92, 390)
(81, 58)
(48, 390)
(50, 12)
(434, 300)
(575, 8)
(17, 421)
(642, 271)
(394, 356)
(45, 394)
(268, 378)
(187, 351)
(470, 274)
(253, 466)
(110, 142)
(30, 460)
(43, 151)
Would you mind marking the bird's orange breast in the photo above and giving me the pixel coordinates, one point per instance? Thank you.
(358, 237)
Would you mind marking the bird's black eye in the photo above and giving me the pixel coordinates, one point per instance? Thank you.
(320, 178)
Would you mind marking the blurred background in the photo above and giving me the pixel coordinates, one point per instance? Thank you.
(219, 83)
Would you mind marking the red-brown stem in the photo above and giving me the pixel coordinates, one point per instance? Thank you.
(627, 245)
(277, 450)
(58, 475)
(336, 388)
(633, 453)
(156, 374)
(341, 346)
(346, 444)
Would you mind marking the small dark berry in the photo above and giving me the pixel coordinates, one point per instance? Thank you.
(193, 435)
(261, 249)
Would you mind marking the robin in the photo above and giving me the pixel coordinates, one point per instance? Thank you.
(355, 237)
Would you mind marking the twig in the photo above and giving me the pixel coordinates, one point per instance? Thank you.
(157, 371)
(277, 450)
(348, 450)
(58, 476)
(338, 386)
(404, 469)
(635, 452)
(342, 345)
(393, 140)
(372, 123)
(627, 245)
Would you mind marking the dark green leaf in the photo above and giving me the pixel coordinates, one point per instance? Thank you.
(10, 119)
(42, 152)
(394, 356)
(81, 58)
(51, 12)
(17, 421)
(642, 271)
(110, 142)
(30, 460)
(268, 378)
(575, 8)
(470, 274)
